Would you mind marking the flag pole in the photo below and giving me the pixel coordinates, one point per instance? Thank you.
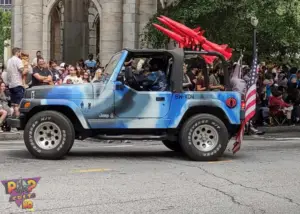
(254, 22)
(250, 94)
(241, 64)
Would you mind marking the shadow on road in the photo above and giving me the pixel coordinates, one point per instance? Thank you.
(127, 154)
(117, 155)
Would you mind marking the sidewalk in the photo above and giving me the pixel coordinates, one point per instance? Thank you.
(5, 136)
(276, 129)
(279, 129)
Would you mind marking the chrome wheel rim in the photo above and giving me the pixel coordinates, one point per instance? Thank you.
(47, 135)
(205, 138)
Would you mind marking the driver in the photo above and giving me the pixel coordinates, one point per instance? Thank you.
(156, 78)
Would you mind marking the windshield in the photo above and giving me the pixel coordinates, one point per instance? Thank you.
(112, 65)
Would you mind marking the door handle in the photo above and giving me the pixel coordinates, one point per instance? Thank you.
(160, 99)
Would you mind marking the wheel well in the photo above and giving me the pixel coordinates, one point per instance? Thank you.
(65, 110)
(219, 113)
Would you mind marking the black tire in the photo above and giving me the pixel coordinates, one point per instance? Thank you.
(209, 126)
(62, 132)
(172, 145)
(5, 127)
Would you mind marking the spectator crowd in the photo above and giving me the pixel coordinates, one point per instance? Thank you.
(278, 90)
(18, 74)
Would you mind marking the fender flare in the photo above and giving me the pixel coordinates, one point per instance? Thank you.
(77, 111)
(232, 119)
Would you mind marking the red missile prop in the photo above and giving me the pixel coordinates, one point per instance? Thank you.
(169, 33)
(188, 31)
(226, 52)
(189, 41)
(209, 59)
(191, 38)
(197, 29)
(176, 30)
(224, 46)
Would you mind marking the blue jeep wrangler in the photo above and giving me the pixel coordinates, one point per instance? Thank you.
(200, 124)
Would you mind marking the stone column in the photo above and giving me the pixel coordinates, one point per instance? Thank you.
(32, 26)
(7, 50)
(147, 9)
(17, 25)
(76, 38)
(130, 23)
(111, 29)
(92, 28)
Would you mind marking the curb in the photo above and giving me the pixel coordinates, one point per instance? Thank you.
(279, 129)
(11, 136)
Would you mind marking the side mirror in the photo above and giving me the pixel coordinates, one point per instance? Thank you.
(120, 78)
(120, 86)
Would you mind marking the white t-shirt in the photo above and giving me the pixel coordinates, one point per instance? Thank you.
(4, 77)
(74, 79)
(34, 62)
(14, 74)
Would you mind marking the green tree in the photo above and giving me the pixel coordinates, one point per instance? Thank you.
(5, 30)
(228, 22)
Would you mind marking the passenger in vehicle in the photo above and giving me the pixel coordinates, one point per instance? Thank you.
(193, 75)
(214, 81)
(186, 80)
(156, 79)
(200, 83)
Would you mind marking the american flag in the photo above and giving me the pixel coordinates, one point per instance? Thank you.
(250, 108)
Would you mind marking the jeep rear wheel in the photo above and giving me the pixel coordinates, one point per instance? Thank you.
(204, 137)
(49, 135)
(172, 145)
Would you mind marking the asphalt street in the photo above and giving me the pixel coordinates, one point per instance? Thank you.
(145, 177)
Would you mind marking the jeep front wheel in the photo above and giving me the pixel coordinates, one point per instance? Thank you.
(49, 135)
(204, 137)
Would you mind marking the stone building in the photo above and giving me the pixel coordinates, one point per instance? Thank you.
(68, 30)
(5, 5)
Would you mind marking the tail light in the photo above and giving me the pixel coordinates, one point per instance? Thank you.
(243, 105)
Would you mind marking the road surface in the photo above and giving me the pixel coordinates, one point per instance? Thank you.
(145, 177)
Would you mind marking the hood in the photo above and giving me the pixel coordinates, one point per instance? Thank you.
(82, 91)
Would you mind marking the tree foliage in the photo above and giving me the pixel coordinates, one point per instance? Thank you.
(5, 29)
(228, 22)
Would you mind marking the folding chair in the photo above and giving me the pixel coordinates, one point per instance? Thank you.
(277, 115)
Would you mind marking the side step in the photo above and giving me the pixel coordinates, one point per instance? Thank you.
(131, 137)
